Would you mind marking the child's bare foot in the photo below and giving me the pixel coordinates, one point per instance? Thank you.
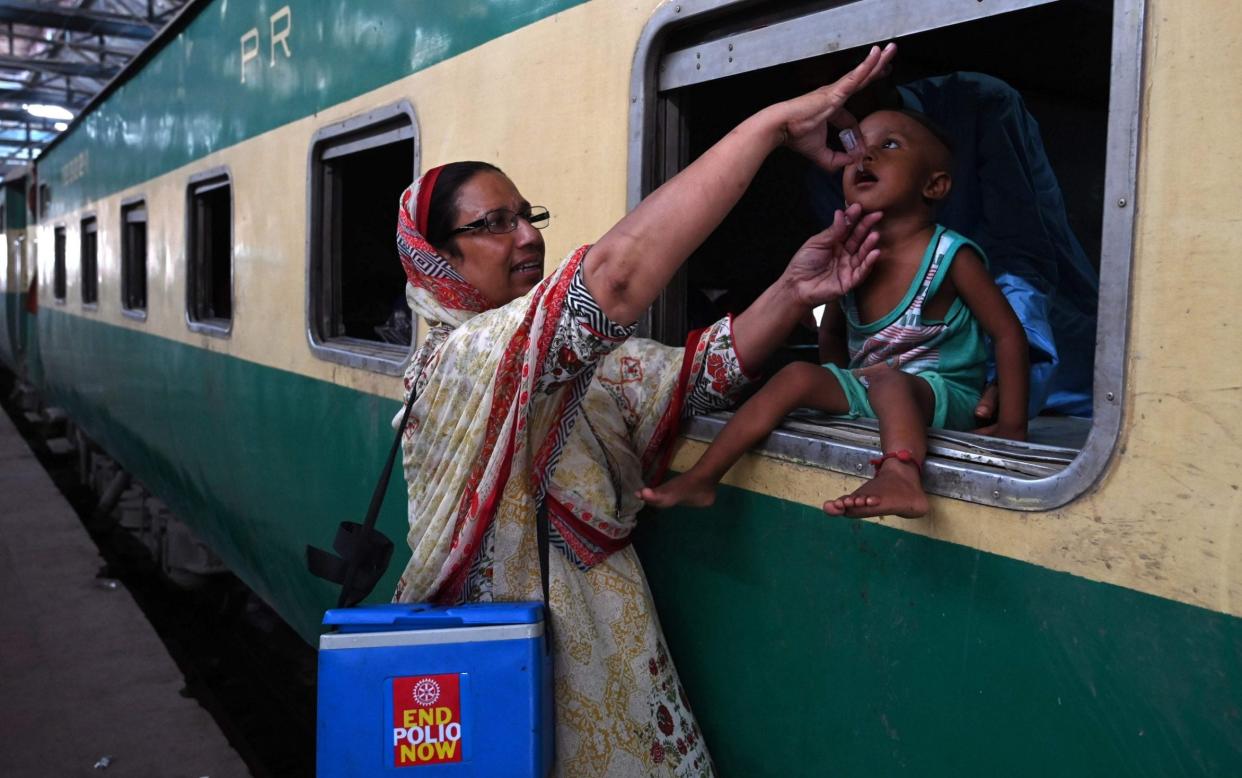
(684, 489)
(896, 489)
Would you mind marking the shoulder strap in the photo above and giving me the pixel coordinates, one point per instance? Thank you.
(947, 247)
(363, 553)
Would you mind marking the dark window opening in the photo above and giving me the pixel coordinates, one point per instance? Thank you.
(1066, 94)
(134, 257)
(58, 266)
(90, 262)
(210, 280)
(357, 287)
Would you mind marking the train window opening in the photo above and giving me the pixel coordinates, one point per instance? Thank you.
(210, 254)
(59, 292)
(711, 76)
(89, 262)
(134, 259)
(356, 287)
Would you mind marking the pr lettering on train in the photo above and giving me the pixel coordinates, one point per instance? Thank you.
(280, 24)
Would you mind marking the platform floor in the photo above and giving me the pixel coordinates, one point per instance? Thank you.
(82, 673)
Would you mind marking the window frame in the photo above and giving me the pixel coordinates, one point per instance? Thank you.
(654, 156)
(379, 127)
(88, 224)
(128, 206)
(60, 271)
(199, 184)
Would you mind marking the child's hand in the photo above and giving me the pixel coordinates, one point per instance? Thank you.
(836, 260)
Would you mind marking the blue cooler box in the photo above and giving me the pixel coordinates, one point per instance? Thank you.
(420, 690)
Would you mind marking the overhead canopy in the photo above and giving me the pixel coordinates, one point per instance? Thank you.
(60, 54)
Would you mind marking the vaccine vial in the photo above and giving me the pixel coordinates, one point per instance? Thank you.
(849, 140)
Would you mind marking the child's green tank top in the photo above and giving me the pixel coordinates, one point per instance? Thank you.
(953, 346)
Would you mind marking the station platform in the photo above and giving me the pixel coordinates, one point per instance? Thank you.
(83, 675)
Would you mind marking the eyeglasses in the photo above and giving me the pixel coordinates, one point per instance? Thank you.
(502, 220)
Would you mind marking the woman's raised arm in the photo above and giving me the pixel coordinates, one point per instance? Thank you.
(633, 262)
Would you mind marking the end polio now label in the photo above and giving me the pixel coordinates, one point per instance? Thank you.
(426, 726)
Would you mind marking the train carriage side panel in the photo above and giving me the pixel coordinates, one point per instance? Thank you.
(258, 444)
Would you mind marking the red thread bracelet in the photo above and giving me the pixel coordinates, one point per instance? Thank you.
(904, 455)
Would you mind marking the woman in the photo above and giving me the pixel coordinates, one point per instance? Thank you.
(530, 393)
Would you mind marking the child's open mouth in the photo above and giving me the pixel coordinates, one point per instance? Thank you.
(864, 176)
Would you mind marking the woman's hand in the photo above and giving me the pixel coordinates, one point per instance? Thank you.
(805, 119)
(834, 261)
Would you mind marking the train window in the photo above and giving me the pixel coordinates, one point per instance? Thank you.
(209, 232)
(701, 70)
(357, 314)
(45, 200)
(89, 261)
(134, 258)
(58, 265)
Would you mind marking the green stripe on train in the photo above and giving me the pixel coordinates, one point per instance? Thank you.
(259, 461)
(190, 101)
(816, 646)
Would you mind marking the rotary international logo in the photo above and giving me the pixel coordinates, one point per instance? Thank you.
(426, 692)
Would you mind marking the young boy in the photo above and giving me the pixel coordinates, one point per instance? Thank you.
(910, 333)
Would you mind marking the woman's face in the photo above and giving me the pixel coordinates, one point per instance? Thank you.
(503, 267)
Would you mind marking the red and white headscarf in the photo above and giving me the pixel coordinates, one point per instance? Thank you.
(436, 292)
(479, 433)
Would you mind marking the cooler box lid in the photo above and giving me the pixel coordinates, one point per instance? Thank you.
(388, 617)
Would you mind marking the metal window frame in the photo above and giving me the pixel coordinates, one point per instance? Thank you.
(199, 184)
(60, 270)
(128, 206)
(334, 141)
(857, 23)
(92, 220)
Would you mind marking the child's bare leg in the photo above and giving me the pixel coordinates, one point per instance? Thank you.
(798, 385)
(903, 404)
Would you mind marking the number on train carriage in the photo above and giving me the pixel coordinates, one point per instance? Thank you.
(209, 253)
(696, 75)
(355, 286)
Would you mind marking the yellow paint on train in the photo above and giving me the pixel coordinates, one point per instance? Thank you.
(1165, 518)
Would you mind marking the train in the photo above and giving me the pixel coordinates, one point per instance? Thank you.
(201, 273)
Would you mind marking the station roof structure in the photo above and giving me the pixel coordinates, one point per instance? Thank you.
(56, 55)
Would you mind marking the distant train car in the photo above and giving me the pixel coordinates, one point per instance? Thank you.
(221, 308)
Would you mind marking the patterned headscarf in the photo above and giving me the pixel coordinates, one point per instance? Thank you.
(478, 417)
(436, 291)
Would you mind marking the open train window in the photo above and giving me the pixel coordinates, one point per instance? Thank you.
(58, 265)
(356, 309)
(209, 232)
(89, 263)
(134, 258)
(700, 71)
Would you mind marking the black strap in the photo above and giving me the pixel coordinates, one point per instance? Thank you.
(363, 553)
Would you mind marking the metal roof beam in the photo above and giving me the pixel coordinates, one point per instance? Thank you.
(39, 15)
(45, 96)
(60, 67)
(35, 122)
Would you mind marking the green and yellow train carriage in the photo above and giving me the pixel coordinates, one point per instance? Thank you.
(220, 308)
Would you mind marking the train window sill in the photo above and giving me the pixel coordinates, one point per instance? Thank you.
(1005, 473)
(357, 352)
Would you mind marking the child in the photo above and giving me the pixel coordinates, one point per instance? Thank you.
(916, 355)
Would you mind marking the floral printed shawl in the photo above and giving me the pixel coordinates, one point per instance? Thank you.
(482, 443)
